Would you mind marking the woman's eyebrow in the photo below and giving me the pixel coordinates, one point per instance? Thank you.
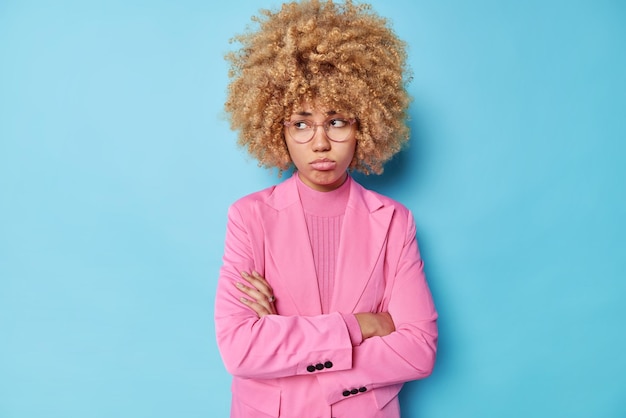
(304, 113)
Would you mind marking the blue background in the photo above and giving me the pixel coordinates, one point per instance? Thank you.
(117, 167)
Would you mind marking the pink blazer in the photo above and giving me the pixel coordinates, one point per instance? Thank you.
(301, 363)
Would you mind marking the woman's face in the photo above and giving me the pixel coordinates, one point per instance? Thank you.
(321, 163)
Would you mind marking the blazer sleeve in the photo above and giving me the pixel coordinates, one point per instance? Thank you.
(275, 345)
(409, 352)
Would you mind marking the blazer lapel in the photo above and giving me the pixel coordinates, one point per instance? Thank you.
(289, 249)
(363, 237)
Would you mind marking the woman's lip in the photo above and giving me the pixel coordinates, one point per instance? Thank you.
(323, 164)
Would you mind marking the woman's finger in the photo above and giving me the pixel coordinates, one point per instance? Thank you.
(269, 291)
(259, 309)
(253, 294)
(258, 298)
(259, 283)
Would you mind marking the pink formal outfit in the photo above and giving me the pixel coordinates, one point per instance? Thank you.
(309, 361)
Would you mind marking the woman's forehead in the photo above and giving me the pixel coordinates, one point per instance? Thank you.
(315, 108)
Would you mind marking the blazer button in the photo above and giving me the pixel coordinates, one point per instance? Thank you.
(311, 368)
(346, 393)
(354, 391)
(328, 364)
(362, 389)
(319, 366)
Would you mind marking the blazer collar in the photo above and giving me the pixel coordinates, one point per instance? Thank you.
(286, 194)
(363, 236)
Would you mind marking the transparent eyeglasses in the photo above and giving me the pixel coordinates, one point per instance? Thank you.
(336, 129)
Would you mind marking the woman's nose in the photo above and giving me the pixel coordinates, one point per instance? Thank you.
(320, 141)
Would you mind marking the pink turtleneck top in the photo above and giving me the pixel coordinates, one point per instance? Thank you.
(324, 213)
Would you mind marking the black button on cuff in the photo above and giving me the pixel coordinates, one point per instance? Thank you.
(354, 391)
(319, 366)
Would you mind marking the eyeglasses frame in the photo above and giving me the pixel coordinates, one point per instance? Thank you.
(288, 124)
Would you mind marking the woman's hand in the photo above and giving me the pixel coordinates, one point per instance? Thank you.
(260, 296)
(375, 324)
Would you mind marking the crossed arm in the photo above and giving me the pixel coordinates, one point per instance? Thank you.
(260, 298)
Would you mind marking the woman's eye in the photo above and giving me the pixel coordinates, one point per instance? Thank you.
(301, 124)
(337, 123)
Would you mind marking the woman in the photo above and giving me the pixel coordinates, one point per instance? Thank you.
(322, 307)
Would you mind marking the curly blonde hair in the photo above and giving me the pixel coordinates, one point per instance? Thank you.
(342, 56)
